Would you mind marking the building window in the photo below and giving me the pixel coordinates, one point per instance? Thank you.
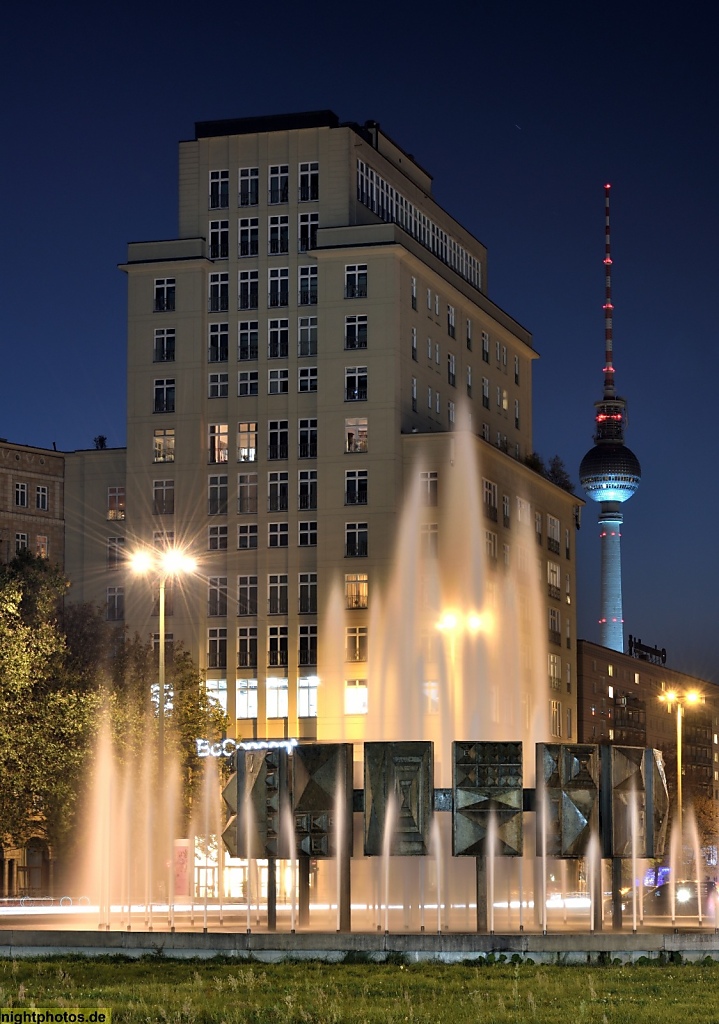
(308, 593)
(246, 441)
(163, 350)
(429, 488)
(278, 436)
(217, 595)
(355, 332)
(21, 542)
(277, 594)
(163, 497)
(356, 538)
(219, 239)
(116, 503)
(248, 383)
(217, 385)
(538, 526)
(164, 445)
(307, 336)
(308, 534)
(490, 545)
(219, 190)
(307, 433)
(217, 647)
(278, 234)
(429, 539)
(278, 535)
(505, 510)
(555, 626)
(356, 487)
(469, 381)
(247, 595)
(414, 292)
(277, 651)
(451, 370)
(21, 495)
(437, 355)
(247, 658)
(356, 590)
(277, 687)
(278, 279)
(451, 330)
(217, 538)
(218, 297)
(308, 225)
(41, 498)
(489, 491)
(356, 435)
(555, 718)
(356, 643)
(219, 344)
(355, 384)
(246, 688)
(248, 289)
(485, 347)
(355, 696)
(115, 552)
(414, 344)
(469, 335)
(451, 413)
(115, 603)
(554, 664)
(485, 431)
(414, 394)
(41, 546)
(356, 281)
(164, 395)
(246, 536)
(249, 181)
(248, 236)
(307, 687)
(309, 178)
(553, 580)
(248, 340)
(553, 534)
(307, 379)
(307, 496)
(278, 382)
(307, 277)
(516, 369)
(217, 495)
(308, 645)
(277, 490)
(217, 442)
(278, 191)
(485, 392)
(164, 294)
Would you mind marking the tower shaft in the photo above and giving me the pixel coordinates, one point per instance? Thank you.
(611, 622)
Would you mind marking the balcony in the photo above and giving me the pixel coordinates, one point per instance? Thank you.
(356, 291)
(217, 304)
(218, 251)
(356, 602)
(248, 300)
(553, 545)
(307, 502)
(307, 657)
(275, 299)
(162, 456)
(307, 450)
(277, 451)
(278, 245)
(355, 497)
(277, 658)
(218, 354)
(356, 446)
(278, 195)
(164, 405)
(307, 297)
(490, 512)
(555, 683)
(356, 548)
(277, 503)
(250, 248)
(554, 592)
(357, 342)
(247, 455)
(356, 394)
(247, 659)
(555, 637)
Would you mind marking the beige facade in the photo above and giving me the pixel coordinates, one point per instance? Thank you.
(31, 501)
(301, 361)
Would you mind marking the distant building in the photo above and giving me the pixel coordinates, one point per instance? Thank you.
(31, 501)
(618, 702)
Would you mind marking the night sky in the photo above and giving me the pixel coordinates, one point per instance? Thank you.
(520, 111)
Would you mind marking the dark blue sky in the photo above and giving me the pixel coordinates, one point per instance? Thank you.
(520, 111)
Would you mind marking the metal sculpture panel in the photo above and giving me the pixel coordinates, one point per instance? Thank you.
(260, 827)
(657, 803)
(567, 797)
(398, 784)
(624, 801)
(487, 787)
(322, 799)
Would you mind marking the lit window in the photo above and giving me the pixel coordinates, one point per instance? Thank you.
(355, 696)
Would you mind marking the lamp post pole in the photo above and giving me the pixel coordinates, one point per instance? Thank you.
(161, 685)
(680, 824)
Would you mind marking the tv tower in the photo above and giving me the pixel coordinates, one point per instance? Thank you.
(610, 472)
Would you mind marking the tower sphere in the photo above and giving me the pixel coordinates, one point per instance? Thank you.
(610, 472)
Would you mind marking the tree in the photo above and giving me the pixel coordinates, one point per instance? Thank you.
(100, 441)
(557, 474)
(535, 462)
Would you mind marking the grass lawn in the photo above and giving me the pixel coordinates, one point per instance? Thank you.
(157, 989)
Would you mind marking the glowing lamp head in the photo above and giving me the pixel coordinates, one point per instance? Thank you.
(448, 621)
(174, 562)
(693, 697)
(141, 562)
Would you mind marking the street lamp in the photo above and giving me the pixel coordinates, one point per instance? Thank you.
(681, 699)
(164, 565)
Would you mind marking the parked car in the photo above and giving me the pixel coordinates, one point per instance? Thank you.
(658, 901)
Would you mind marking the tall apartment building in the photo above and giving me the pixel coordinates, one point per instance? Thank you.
(299, 361)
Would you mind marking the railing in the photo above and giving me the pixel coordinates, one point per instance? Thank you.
(115, 514)
(247, 606)
(307, 657)
(277, 451)
(278, 299)
(217, 303)
(219, 201)
(278, 195)
(246, 352)
(355, 291)
(356, 549)
(218, 251)
(356, 447)
(355, 654)
(555, 683)
(355, 497)
(538, 537)
(307, 450)
(278, 350)
(307, 297)
(250, 248)
(247, 506)
(355, 601)
(358, 394)
(307, 502)
(452, 379)
(277, 503)
(164, 405)
(248, 197)
(308, 606)
(247, 455)
(308, 193)
(217, 660)
(248, 300)
(277, 606)
(307, 242)
(553, 545)
(217, 507)
(247, 659)
(490, 512)
(553, 591)
(164, 304)
(555, 637)
(164, 457)
(278, 245)
(215, 455)
(359, 341)
(277, 658)
(218, 355)
(166, 354)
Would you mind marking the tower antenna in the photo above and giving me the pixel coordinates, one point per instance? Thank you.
(609, 390)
